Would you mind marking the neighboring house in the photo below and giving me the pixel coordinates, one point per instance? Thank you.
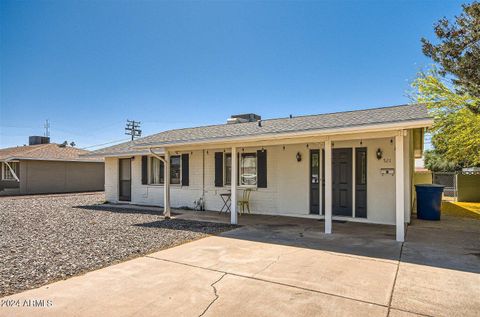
(44, 167)
(355, 165)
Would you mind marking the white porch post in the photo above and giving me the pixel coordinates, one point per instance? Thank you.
(233, 187)
(166, 187)
(328, 186)
(399, 188)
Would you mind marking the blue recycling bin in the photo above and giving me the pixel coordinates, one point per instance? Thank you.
(429, 201)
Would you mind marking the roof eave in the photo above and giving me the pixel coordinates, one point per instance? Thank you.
(117, 154)
(49, 159)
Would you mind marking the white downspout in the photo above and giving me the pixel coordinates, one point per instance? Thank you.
(166, 181)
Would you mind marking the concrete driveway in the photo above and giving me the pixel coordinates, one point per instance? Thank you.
(285, 267)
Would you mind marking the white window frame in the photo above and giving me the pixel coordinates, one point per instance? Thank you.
(240, 170)
(150, 175)
(6, 169)
(150, 171)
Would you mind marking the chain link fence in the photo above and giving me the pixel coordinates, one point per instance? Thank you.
(449, 180)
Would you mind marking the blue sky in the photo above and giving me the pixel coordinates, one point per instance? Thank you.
(89, 66)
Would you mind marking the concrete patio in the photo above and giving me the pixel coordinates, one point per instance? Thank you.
(279, 266)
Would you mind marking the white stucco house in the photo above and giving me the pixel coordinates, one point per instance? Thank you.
(354, 166)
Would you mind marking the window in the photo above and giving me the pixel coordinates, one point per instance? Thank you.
(175, 170)
(228, 168)
(248, 169)
(7, 174)
(361, 168)
(157, 170)
(314, 166)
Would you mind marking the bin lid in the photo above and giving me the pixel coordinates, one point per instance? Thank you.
(430, 186)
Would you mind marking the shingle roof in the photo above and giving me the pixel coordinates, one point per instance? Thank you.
(338, 120)
(46, 152)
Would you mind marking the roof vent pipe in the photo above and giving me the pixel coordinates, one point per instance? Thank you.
(232, 120)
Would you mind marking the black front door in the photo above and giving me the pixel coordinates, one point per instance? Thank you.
(314, 181)
(125, 179)
(342, 182)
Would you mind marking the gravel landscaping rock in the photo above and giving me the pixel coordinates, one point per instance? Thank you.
(47, 238)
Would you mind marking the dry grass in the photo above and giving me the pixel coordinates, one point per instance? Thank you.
(475, 207)
(461, 209)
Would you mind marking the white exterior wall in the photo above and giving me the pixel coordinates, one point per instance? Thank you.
(380, 188)
(180, 196)
(288, 181)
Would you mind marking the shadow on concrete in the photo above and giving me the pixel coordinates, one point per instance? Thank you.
(452, 243)
(347, 238)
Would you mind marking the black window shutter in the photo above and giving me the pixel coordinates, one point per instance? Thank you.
(218, 169)
(262, 169)
(185, 170)
(144, 170)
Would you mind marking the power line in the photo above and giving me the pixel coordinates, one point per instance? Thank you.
(82, 133)
(132, 129)
(87, 147)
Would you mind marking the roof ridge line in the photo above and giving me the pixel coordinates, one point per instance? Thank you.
(40, 146)
(356, 117)
(346, 111)
(281, 118)
(35, 147)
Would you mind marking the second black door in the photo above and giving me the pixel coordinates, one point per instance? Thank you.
(342, 182)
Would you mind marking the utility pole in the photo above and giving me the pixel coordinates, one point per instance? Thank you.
(133, 128)
(47, 128)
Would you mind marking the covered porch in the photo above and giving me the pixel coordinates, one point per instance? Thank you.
(326, 197)
(306, 232)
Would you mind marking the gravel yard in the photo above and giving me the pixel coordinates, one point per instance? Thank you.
(47, 238)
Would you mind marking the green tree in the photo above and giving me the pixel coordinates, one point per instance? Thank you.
(451, 89)
(458, 52)
(437, 163)
(456, 129)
